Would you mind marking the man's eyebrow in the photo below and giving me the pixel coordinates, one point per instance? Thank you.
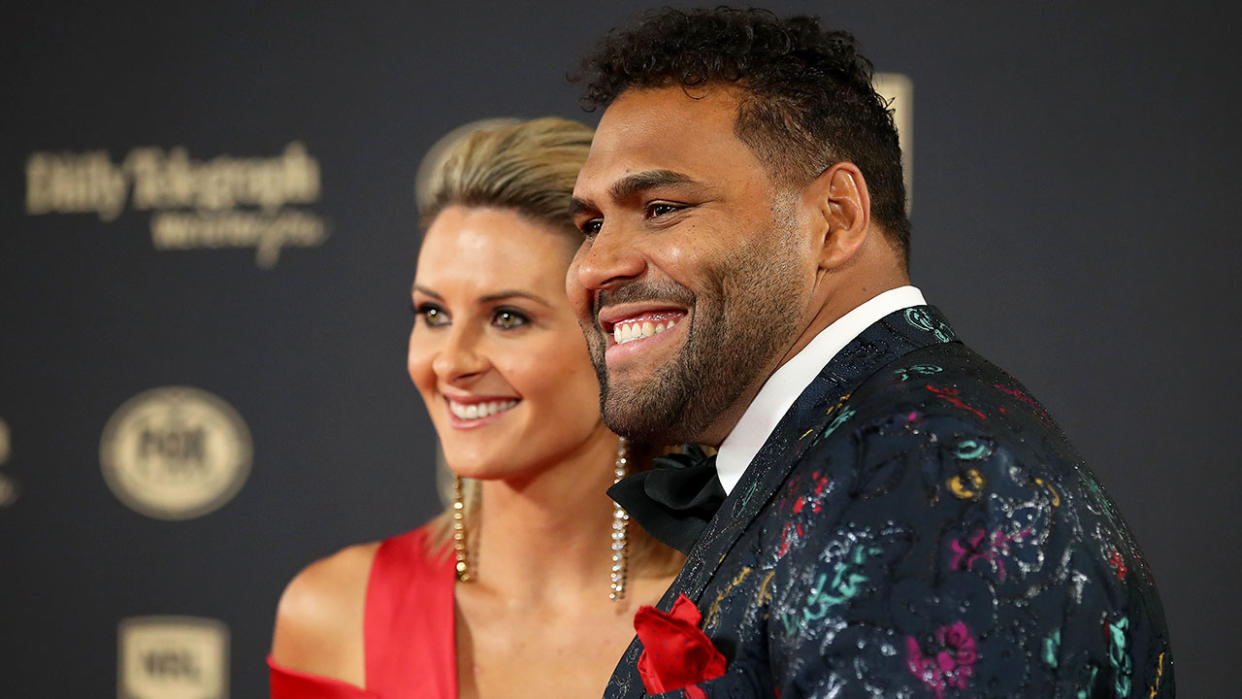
(632, 185)
(639, 182)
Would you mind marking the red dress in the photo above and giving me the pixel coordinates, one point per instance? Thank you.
(408, 630)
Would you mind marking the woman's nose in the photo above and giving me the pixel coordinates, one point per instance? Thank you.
(461, 356)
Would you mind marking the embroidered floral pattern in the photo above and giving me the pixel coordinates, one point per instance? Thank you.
(982, 546)
(917, 370)
(924, 533)
(1118, 657)
(967, 486)
(846, 583)
(952, 396)
(951, 662)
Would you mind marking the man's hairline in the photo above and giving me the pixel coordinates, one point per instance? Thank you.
(738, 90)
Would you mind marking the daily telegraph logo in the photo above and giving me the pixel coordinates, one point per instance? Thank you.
(175, 453)
(225, 202)
(172, 657)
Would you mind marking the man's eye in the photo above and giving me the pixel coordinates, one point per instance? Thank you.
(661, 209)
(507, 319)
(432, 315)
(591, 228)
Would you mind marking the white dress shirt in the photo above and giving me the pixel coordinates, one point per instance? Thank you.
(791, 379)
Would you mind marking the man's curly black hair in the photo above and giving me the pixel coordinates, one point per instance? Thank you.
(809, 101)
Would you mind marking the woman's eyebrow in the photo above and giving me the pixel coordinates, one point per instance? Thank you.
(512, 293)
(424, 290)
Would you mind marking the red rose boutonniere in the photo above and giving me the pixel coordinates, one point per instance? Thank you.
(676, 654)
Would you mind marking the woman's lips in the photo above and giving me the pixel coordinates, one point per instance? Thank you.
(475, 412)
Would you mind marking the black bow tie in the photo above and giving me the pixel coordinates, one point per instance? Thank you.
(675, 499)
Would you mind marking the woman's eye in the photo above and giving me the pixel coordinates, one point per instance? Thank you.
(432, 315)
(507, 319)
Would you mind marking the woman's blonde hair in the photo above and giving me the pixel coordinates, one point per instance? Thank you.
(529, 167)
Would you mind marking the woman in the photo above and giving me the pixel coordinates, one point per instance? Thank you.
(521, 589)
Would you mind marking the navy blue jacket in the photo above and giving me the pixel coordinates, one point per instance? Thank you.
(918, 526)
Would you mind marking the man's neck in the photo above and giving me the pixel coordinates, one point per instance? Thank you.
(762, 415)
(828, 315)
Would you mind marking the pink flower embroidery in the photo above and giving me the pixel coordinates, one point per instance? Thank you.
(950, 666)
(980, 546)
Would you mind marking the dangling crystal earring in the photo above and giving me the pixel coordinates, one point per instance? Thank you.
(459, 530)
(620, 523)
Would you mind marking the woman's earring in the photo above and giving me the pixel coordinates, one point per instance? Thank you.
(459, 530)
(620, 523)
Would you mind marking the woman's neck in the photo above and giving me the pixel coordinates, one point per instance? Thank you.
(545, 539)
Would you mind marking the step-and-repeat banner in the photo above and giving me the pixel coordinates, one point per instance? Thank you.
(209, 232)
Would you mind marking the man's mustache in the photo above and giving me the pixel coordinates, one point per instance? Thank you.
(639, 291)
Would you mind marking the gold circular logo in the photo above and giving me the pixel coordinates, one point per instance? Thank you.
(175, 452)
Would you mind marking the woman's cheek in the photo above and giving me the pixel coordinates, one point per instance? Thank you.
(418, 363)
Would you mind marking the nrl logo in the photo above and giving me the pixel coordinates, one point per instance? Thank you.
(175, 453)
(172, 657)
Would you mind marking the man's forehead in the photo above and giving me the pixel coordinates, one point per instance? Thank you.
(673, 107)
(664, 128)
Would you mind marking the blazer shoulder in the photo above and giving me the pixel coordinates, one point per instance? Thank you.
(948, 389)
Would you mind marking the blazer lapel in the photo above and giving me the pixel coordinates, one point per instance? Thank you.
(821, 407)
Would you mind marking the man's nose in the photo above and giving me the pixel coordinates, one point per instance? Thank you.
(607, 260)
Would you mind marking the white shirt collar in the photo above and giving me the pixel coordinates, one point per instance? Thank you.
(791, 379)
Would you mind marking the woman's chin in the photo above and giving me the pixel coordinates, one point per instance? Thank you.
(480, 467)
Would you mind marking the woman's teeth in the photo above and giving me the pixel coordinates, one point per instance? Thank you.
(474, 411)
(629, 331)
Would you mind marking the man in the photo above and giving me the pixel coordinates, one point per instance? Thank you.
(900, 518)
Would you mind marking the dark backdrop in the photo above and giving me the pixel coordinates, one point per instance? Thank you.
(1074, 201)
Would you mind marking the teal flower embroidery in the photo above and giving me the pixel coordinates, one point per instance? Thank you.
(846, 583)
(845, 414)
(1085, 693)
(1117, 656)
(921, 369)
(921, 319)
(1052, 645)
(972, 450)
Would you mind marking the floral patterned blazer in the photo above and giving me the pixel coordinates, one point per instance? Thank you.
(917, 526)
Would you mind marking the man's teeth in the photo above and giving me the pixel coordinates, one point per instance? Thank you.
(474, 411)
(636, 330)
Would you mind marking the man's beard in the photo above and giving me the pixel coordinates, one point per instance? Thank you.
(744, 317)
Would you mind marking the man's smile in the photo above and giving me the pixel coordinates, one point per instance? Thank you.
(629, 330)
(644, 326)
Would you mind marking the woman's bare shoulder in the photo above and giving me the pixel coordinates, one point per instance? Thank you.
(319, 622)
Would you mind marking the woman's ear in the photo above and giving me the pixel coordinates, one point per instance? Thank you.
(841, 196)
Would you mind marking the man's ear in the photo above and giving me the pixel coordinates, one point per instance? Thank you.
(840, 194)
